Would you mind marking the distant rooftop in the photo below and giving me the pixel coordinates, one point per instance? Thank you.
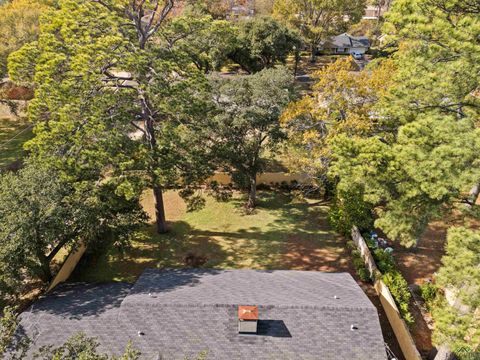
(347, 41)
(181, 313)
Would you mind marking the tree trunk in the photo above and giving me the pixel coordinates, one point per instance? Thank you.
(148, 119)
(159, 210)
(252, 196)
(329, 189)
(297, 60)
(473, 195)
(313, 53)
(444, 354)
(44, 272)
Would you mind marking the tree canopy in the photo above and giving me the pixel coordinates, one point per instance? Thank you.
(246, 123)
(41, 214)
(342, 101)
(263, 42)
(317, 20)
(19, 25)
(457, 323)
(114, 97)
(421, 160)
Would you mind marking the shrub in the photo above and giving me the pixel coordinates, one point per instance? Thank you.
(358, 261)
(349, 209)
(398, 286)
(384, 260)
(429, 294)
(359, 265)
(363, 274)
(263, 186)
(351, 245)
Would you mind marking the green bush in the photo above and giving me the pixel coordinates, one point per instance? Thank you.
(358, 262)
(359, 265)
(356, 253)
(429, 294)
(384, 260)
(398, 287)
(349, 209)
(363, 274)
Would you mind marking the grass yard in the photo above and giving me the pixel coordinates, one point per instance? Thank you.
(284, 233)
(14, 133)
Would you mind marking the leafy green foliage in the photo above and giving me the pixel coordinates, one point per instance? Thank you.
(16, 348)
(411, 194)
(116, 97)
(458, 325)
(42, 213)
(392, 278)
(423, 158)
(429, 293)
(398, 287)
(359, 265)
(206, 41)
(246, 123)
(384, 261)
(263, 42)
(316, 20)
(19, 25)
(342, 103)
(80, 346)
(349, 209)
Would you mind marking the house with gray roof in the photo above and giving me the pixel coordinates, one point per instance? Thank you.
(181, 313)
(346, 44)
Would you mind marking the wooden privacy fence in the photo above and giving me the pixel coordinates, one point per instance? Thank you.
(68, 266)
(267, 178)
(396, 321)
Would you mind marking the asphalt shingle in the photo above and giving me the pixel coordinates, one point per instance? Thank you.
(181, 313)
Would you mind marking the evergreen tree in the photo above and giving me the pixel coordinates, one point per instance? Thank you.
(457, 322)
(424, 159)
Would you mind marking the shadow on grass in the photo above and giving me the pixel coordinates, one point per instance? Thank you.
(293, 235)
(13, 134)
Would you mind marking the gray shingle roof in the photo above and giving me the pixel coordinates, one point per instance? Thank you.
(346, 41)
(184, 312)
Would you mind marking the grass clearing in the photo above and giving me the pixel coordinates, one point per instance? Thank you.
(284, 233)
(14, 132)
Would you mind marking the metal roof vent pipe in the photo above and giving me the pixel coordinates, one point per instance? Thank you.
(247, 319)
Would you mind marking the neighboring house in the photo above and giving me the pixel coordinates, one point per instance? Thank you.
(346, 44)
(177, 314)
(374, 12)
(240, 10)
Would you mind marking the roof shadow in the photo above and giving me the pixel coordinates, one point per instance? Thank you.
(157, 281)
(76, 301)
(273, 328)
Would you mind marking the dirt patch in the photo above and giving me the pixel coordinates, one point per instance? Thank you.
(306, 254)
(421, 264)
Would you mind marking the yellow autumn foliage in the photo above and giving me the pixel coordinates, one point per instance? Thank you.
(342, 101)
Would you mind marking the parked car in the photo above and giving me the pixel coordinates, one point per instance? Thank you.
(357, 56)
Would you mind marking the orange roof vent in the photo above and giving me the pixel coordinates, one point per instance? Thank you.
(247, 312)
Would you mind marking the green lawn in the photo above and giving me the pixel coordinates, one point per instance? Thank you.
(284, 233)
(13, 134)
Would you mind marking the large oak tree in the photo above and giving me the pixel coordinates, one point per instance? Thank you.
(113, 92)
(246, 122)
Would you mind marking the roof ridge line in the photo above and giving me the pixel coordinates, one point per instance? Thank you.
(271, 306)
